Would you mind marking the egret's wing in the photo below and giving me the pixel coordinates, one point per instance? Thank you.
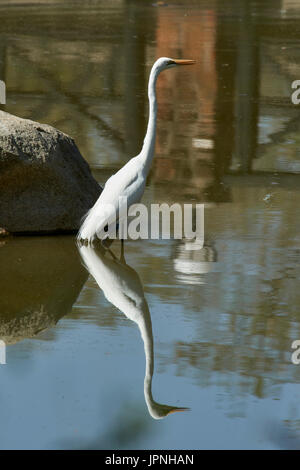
(123, 188)
(127, 183)
(119, 183)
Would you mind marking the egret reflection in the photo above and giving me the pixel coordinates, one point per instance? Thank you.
(122, 287)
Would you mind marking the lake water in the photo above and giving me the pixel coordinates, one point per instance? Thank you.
(212, 329)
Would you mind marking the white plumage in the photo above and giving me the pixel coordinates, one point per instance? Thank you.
(129, 182)
(122, 287)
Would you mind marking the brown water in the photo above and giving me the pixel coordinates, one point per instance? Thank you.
(223, 318)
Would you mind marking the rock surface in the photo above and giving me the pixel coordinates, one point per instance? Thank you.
(45, 183)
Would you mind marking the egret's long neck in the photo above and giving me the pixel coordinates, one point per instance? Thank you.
(147, 152)
(145, 326)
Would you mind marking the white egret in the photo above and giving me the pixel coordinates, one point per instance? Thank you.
(129, 182)
(122, 287)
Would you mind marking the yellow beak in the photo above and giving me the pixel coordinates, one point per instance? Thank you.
(184, 62)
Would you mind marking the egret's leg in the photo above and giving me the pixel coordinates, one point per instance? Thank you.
(122, 257)
(112, 254)
(108, 250)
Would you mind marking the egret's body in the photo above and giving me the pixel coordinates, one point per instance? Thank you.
(128, 184)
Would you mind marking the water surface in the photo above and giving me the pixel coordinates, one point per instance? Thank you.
(212, 328)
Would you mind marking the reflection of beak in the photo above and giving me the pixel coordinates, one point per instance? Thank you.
(184, 62)
(178, 409)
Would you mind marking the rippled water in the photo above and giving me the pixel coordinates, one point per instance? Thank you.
(211, 329)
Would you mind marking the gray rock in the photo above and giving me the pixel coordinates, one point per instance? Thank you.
(45, 183)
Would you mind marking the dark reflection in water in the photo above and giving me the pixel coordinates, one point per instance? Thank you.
(41, 278)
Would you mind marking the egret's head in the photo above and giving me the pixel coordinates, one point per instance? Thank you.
(166, 63)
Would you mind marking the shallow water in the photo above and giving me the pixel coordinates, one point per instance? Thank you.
(218, 322)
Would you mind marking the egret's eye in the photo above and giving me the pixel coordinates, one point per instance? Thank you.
(170, 62)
